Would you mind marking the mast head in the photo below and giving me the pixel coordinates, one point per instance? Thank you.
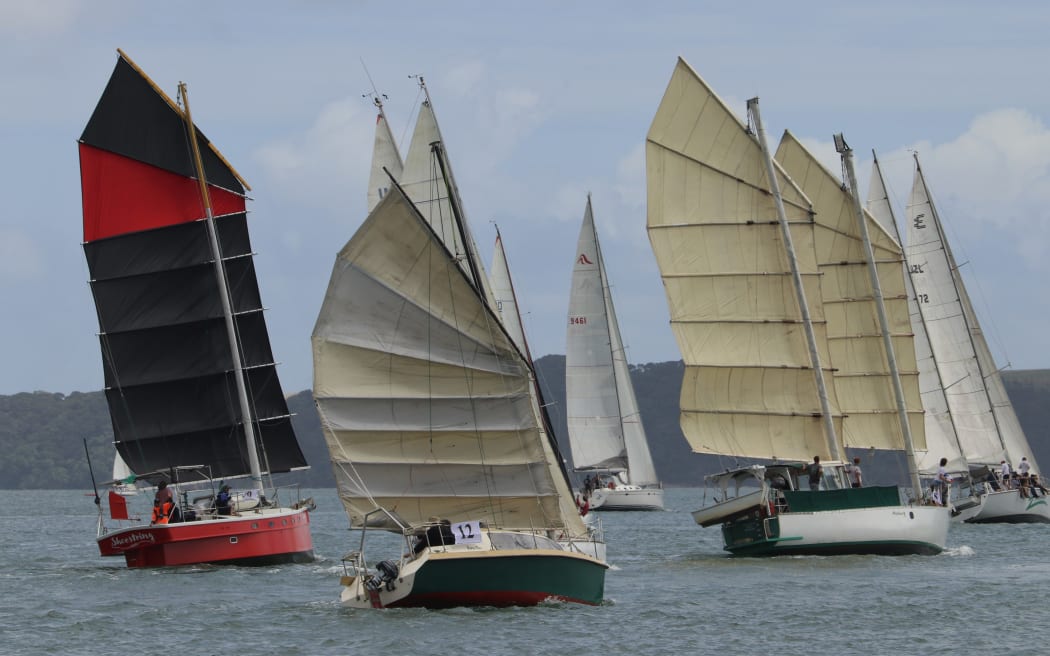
(841, 146)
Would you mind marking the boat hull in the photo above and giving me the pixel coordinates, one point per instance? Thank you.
(627, 497)
(852, 521)
(1009, 507)
(266, 537)
(518, 577)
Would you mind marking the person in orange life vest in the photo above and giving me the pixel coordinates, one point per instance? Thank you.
(163, 503)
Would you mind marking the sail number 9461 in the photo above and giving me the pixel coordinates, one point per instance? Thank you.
(578, 321)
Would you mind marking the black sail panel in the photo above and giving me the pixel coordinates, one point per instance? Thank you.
(166, 356)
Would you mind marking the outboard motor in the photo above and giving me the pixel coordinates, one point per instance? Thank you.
(386, 572)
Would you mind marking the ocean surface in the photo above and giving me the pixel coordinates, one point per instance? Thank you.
(671, 590)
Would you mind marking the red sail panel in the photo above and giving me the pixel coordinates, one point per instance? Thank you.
(123, 195)
(118, 506)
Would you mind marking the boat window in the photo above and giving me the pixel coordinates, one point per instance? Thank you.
(503, 540)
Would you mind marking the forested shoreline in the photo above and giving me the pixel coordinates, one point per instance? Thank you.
(42, 434)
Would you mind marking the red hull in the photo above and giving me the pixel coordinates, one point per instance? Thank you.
(272, 537)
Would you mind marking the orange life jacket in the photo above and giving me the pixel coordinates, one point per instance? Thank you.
(161, 512)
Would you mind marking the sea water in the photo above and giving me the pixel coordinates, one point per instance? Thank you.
(671, 590)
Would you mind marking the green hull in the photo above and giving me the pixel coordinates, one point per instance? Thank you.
(506, 580)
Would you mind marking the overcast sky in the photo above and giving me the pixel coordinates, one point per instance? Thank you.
(539, 103)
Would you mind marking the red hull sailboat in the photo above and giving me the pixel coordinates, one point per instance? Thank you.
(190, 379)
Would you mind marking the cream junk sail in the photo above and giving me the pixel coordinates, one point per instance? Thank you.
(385, 155)
(862, 375)
(605, 427)
(941, 441)
(427, 405)
(985, 422)
(749, 388)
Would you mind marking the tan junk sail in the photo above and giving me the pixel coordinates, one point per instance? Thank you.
(861, 372)
(749, 388)
(427, 406)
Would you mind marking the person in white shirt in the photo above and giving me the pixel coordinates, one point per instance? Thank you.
(1023, 467)
(942, 485)
(1004, 474)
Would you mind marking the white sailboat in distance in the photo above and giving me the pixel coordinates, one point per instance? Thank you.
(605, 426)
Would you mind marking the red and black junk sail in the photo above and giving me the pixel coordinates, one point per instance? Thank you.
(166, 355)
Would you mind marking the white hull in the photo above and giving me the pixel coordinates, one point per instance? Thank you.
(720, 512)
(1008, 506)
(888, 530)
(965, 512)
(916, 524)
(627, 497)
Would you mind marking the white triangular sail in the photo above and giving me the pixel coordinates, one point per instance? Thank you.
(121, 471)
(985, 421)
(428, 180)
(506, 299)
(427, 405)
(605, 425)
(941, 441)
(385, 155)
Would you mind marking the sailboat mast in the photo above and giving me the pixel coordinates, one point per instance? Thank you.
(224, 294)
(800, 292)
(846, 153)
(960, 293)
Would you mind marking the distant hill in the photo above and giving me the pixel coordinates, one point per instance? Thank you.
(42, 434)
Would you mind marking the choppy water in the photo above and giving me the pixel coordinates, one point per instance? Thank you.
(670, 591)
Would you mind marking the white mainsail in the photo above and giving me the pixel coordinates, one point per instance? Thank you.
(605, 425)
(385, 155)
(941, 441)
(985, 421)
(428, 407)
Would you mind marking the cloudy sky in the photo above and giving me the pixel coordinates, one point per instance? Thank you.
(539, 104)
